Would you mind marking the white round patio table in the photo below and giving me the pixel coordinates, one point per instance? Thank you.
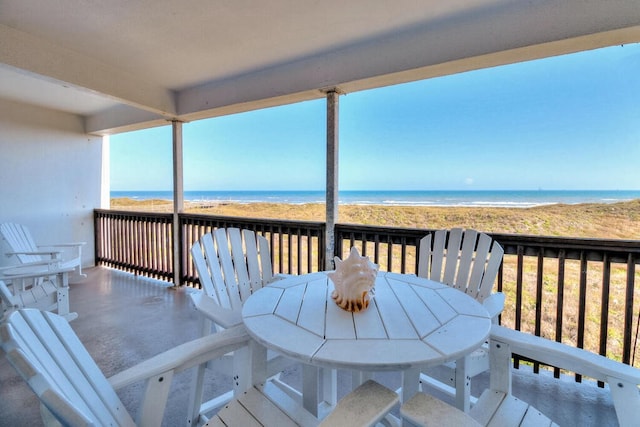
(411, 323)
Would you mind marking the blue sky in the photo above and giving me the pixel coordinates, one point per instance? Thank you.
(569, 122)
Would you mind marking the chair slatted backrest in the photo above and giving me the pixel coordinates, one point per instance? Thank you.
(43, 296)
(20, 240)
(231, 264)
(464, 259)
(7, 297)
(47, 353)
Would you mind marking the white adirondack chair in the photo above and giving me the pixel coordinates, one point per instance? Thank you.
(24, 247)
(25, 286)
(46, 352)
(497, 406)
(468, 261)
(231, 264)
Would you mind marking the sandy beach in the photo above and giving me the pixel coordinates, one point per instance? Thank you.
(593, 220)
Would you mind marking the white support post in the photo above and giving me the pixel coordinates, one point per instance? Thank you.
(332, 177)
(178, 197)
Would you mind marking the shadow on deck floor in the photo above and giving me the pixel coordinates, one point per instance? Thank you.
(124, 319)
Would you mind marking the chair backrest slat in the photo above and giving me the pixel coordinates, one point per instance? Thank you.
(491, 271)
(219, 286)
(240, 262)
(202, 267)
(466, 258)
(253, 263)
(424, 257)
(437, 256)
(265, 260)
(7, 297)
(228, 270)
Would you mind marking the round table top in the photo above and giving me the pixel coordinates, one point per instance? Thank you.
(410, 321)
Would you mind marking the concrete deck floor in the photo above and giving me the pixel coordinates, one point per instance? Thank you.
(124, 319)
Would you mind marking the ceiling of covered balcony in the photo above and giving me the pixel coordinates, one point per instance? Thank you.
(128, 64)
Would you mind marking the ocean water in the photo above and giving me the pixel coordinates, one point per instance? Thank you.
(486, 198)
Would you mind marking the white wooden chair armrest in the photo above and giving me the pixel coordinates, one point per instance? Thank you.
(494, 304)
(44, 263)
(184, 356)
(14, 272)
(364, 406)
(623, 379)
(213, 311)
(564, 356)
(50, 253)
(64, 245)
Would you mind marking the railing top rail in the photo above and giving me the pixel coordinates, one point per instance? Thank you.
(316, 225)
(568, 242)
(133, 214)
(572, 243)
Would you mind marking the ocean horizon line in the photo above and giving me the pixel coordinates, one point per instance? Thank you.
(434, 198)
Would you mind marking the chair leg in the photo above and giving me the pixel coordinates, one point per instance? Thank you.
(63, 301)
(195, 395)
(463, 384)
(329, 386)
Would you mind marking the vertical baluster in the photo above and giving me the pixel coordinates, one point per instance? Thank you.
(539, 284)
(280, 250)
(519, 275)
(299, 251)
(604, 308)
(403, 256)
(309, 247)
(376, 248)
(560, 303)
(628, 309)
(582, 310)
(171, 255)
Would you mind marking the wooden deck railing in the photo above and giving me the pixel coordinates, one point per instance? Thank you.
(578, 291)
(136, 242)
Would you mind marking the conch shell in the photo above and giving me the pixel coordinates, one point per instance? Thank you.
(353, 279)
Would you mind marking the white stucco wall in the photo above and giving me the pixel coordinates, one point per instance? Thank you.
(50, 175)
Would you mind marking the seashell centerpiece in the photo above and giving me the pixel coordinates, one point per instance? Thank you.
(353, 279)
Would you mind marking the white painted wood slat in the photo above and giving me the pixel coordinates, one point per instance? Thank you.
(396, 322)
(313, 308)
(465, 261)
(264, 409)
(339, 323)
(452, 255)
(284, 336)
(289, 306)
(368, 323)
(238, 251)
(213, 271)
(265, 259)
(479, 267)
(226, 261)
(253, 265)
(417, 311)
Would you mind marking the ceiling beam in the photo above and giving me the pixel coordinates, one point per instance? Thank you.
(506, 33)
(41, 58)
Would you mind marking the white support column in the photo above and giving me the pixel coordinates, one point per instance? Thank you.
(178, 197)
(332, 176)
